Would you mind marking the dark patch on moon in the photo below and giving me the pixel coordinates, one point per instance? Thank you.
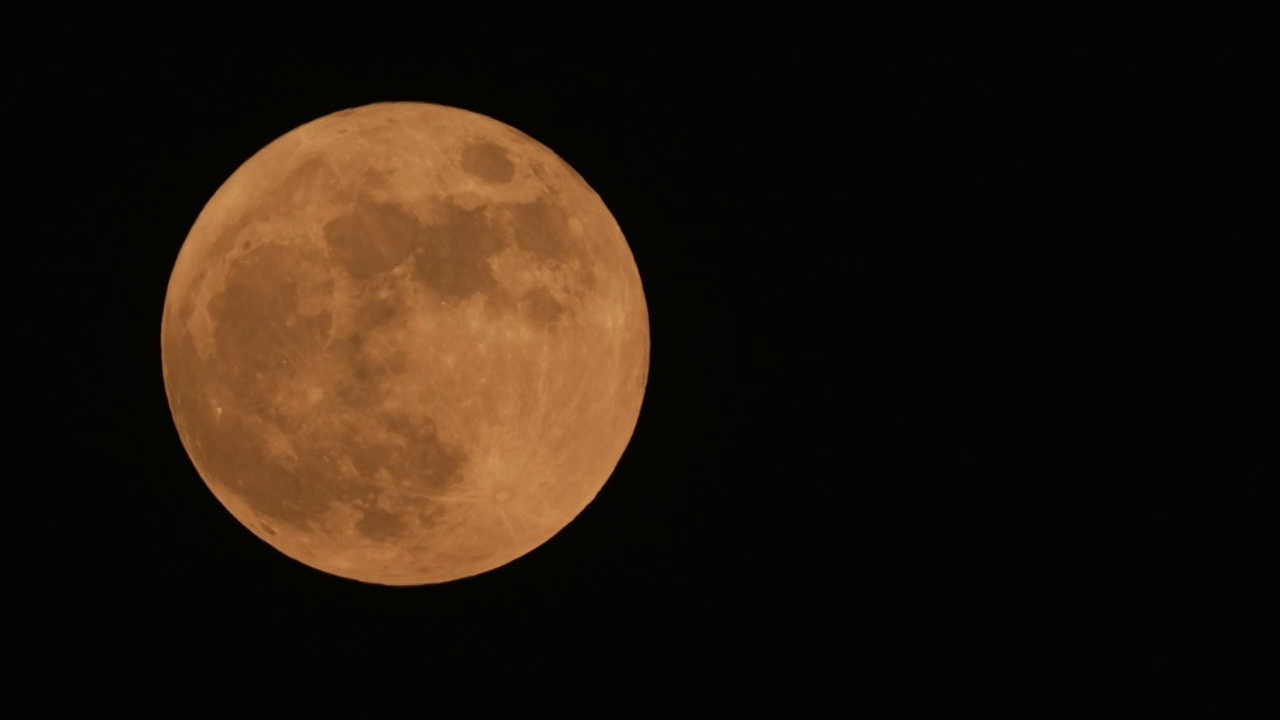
(368, 369)
(258, 331)
(376, 178)
(299, 490)
(367, 457)
(378, 312)
(541, 228)
(488, 161)
(541, 307)
(313, 178)
(414, 455)
(379, 525)
(430, 464)
(452, 255)
(431, 514)
(371, 239)
(292, 470)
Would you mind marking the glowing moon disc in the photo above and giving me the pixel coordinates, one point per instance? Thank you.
(405, 343)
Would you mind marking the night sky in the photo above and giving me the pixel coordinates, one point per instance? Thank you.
(124, 531)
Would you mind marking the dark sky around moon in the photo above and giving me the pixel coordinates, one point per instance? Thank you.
(690, 165)
(841, 232)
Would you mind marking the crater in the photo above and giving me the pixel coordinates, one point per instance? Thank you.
(488, 161)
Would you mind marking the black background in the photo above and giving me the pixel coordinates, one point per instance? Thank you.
(813, 204)
(119, 530)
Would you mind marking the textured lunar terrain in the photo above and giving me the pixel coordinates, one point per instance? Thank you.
(405, 344)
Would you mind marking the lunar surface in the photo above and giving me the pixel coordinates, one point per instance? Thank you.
(405, 344)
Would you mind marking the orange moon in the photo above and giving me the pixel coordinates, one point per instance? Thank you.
(405, 344)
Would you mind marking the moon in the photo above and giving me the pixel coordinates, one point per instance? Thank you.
(405, 343)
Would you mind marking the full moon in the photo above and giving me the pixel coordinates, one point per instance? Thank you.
(405, 344)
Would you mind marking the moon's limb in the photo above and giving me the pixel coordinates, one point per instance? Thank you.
(405, 344)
